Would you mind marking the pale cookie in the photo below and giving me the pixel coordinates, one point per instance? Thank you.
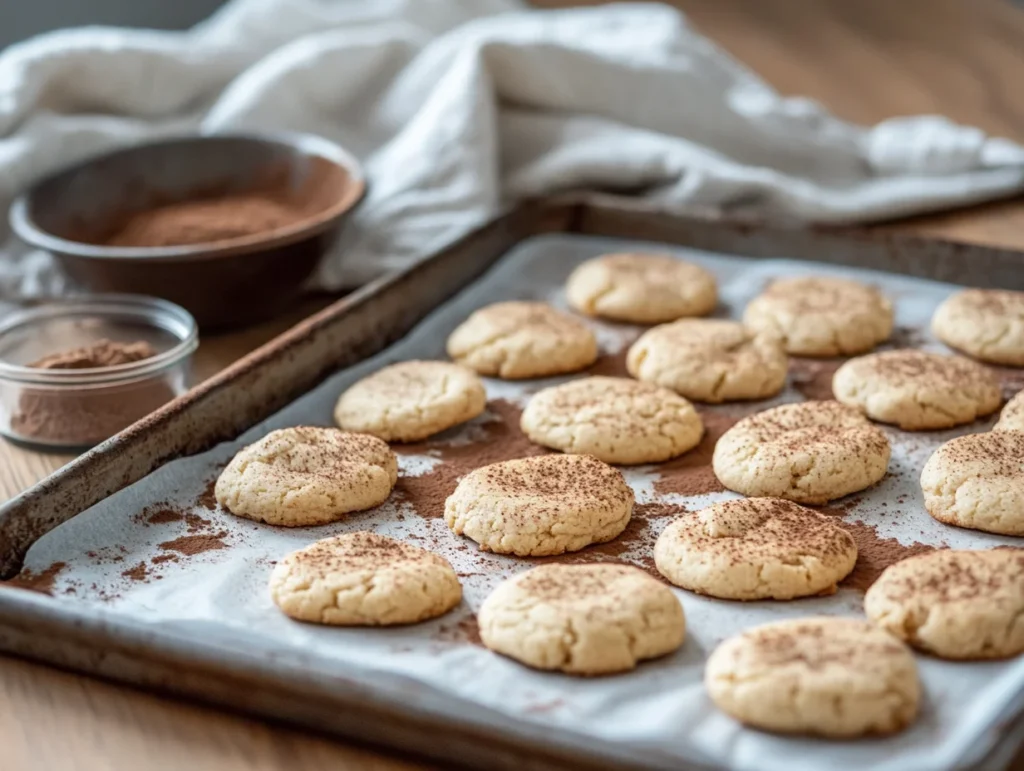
(549, 504)
(977, 481)
(809, 452)
(710, 360)
(614, 419)
(516, 340)
(917, 390)
(594, 619)
(307, 476)
(755, 549)
(411, 400)
(954, 604)
(1012, 416)
(819, 316)
(987, 324)
(364, 579)
(824, 676)
(641, 288)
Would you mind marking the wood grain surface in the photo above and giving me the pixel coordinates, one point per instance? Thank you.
(865, 60)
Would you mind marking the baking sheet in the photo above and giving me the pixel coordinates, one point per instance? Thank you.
(133, 558)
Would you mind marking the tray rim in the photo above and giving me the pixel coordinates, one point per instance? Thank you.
(93, 632)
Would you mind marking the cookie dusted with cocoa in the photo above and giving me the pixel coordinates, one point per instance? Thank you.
(917, 390)
(987, 324)
(822, 316)
(516, 340)
(616, 420)
(977, 481)
(595, 619)
(641, 288)
(364, 579)
(809, 452)
(755, 549)
(956, 604)
(832, 677)
(308, 475)
(550, 504)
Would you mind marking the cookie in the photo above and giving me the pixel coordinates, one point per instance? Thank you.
(411, 400)
(614, 419)
(307, 476)
(1012, 416)
(364, 579)
(824, 676)
(954, 604)
(594, 619)
(809, 452)
(819, 316)
(755, 549)
(917, 390)
(987, 324)
(518, 340)
(977, 481)
(710, 360)
(641, 288)
(533, 507)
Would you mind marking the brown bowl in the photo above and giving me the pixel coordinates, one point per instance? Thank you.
(223, 283)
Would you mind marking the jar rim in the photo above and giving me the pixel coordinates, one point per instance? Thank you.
(157, 313)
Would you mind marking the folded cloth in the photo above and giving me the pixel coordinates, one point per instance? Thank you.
(459, 107)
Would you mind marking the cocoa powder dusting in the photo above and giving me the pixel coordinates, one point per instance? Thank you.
(502, 441)
(691, 473)
(465, 630)
(138, 573)
(208, 498)
(874, 553)
(191, 545)
(164, 516)
(813, 377)
(42, 581)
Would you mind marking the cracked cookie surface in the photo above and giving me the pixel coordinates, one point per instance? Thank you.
(641, 288)
(987, 324)
(822, 316)
(364, 579)
(710, 360)
(755, 549)
(1012, 416)
(307, 476)
(977, 481)
(823, 676)
(616, 420)
(516, 340)
(592, 619)
(917, 390)
(411, 400)
(954, 604)
(550, 504)
(809, 452)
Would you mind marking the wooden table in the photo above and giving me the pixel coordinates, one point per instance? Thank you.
(866, 60)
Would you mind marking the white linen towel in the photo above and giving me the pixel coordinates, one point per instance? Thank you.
(458, 107)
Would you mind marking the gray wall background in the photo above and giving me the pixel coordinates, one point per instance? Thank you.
(20, 19)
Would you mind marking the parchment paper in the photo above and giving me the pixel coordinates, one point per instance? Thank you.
(660, 711)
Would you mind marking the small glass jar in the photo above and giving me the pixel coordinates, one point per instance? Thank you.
(78, 408)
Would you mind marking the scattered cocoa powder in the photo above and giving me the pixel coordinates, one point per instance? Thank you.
(162, 558)
(465, 630)
(208, 498)
(874, 553)
(502, 441)
(138, 573)
(191, 545)
(85, 415)
(164, 516)
(813, 377)
(691, 473)
(196, 523)
(42, 582)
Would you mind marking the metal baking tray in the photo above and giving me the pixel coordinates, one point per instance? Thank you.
(76, 636)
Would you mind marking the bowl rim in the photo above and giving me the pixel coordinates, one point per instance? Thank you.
(26, 229)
